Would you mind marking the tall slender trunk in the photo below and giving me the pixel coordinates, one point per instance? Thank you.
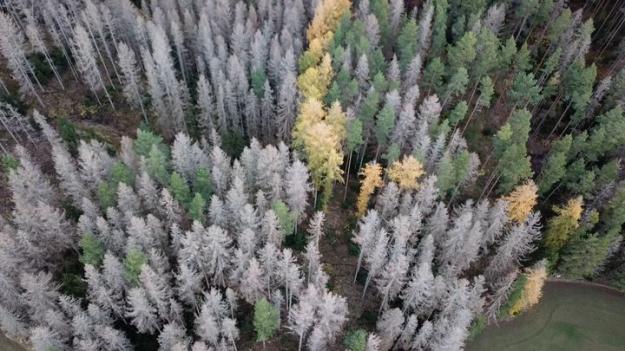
(559, 120)
(349, 163)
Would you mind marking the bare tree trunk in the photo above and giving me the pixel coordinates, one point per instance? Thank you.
(559, 120)
(349, 163)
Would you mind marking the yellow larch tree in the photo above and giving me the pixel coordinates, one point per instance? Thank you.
(372, 173)
(317, 132)
(521, 201)
(314, 82)
(561, 226)
(327, 16)
(406, 173)
(322, 149)
(533, 289)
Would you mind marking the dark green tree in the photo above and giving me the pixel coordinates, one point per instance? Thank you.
(555, 166)
(511, 151)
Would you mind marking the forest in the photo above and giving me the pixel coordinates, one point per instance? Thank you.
(359, 175)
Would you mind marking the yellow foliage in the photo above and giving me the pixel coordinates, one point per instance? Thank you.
(327, 16)
(561, 226)
(314, 82)
(533, 289)
(324, 154)
(320, 134)
(521, 201)
(372, 173)
(316, 49)
(406, 173)
(336, 119)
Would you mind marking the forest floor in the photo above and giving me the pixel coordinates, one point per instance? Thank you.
(572, 316)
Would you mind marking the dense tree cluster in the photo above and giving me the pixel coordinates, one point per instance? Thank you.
(462, 119)
(154, 253)
(437, 269)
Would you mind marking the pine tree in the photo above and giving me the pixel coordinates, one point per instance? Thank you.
(12, 48)
(133, 91)
(86, 62)
(439, 35)
(511, 150)
(301, 319)
(561, 226)
(141, 312)
(266, 320)
(253, 285)
(555, 167)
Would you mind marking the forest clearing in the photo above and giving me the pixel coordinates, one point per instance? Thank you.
(570, 316)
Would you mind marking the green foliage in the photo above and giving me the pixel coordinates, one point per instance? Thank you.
(555, 166)
(179, 188)
(559, 26)
(107, 195)
(525, 90)
(9, 163)
(486, 92)
(516, 293)
(369, 108)
(67, 132)
(508, 51)
(356, 340)
(197, 207)
(607, 174)
(354, 134)
(463, 52)
(146, 140)
(384, 124)
(157, 165)
(457, 84)
(92, 250)
(285, 217)
(258, 78)
(578, 83)
(120, 173)
(445, 176)
(511, 151)
(266, 320)
(488, 49)
(578, 179)
(40, 66)
(581, 257)
(613, 217)
(439, 28)
(433, 75)
(407, 43)
(233, 143)
(379, 83)
(392, 153)
(523, 59)
(607, 136)
(452, 172)
(477, 326)
(202, 183)
(133, 262)
(380, 9)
